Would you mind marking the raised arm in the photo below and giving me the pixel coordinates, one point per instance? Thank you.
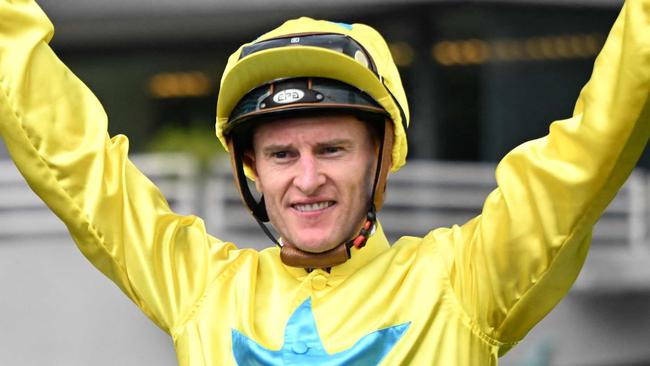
(55, 131)
(513, 263)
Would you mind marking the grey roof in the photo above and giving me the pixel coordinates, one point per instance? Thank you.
(115, 21)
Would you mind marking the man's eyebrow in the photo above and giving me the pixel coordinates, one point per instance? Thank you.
(275, 147)
(281, 147)
(335, 142)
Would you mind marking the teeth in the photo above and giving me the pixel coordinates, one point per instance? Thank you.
(313, 206)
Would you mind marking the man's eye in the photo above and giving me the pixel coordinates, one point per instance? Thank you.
(332, 149)
(280, 154)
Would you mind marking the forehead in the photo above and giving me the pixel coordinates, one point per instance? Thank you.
(311, 129)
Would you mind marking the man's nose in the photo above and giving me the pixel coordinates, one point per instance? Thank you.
(309, 176)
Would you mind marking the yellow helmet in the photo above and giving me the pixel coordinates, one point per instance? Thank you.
(354, 54)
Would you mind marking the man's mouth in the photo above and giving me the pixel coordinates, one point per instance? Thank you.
(311, 207)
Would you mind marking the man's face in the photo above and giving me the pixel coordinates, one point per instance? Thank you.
(316, 176)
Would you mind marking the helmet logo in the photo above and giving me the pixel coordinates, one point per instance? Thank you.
(361, 58)
(288, 96)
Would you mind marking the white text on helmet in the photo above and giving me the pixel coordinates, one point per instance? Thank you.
(288, 96)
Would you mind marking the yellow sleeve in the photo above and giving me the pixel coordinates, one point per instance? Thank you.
(513, 263)
(56, 132)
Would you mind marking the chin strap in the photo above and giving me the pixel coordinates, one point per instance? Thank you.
(294, 257)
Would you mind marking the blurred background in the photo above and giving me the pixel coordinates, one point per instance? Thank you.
(482, 77)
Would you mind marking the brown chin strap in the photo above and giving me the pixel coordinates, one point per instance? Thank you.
(292, 255)
(295, 257)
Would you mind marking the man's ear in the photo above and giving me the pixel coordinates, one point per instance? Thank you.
(249, 162)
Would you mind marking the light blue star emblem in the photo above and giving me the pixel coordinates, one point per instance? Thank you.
(303, 346)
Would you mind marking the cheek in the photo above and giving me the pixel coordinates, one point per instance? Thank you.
(365, 184)
(359, 183)
(269, 184)
(258, 185)
(261, 175)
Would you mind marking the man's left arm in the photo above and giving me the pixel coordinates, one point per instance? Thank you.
(510, 266)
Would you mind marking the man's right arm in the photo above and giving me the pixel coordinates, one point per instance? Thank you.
(56, 132)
